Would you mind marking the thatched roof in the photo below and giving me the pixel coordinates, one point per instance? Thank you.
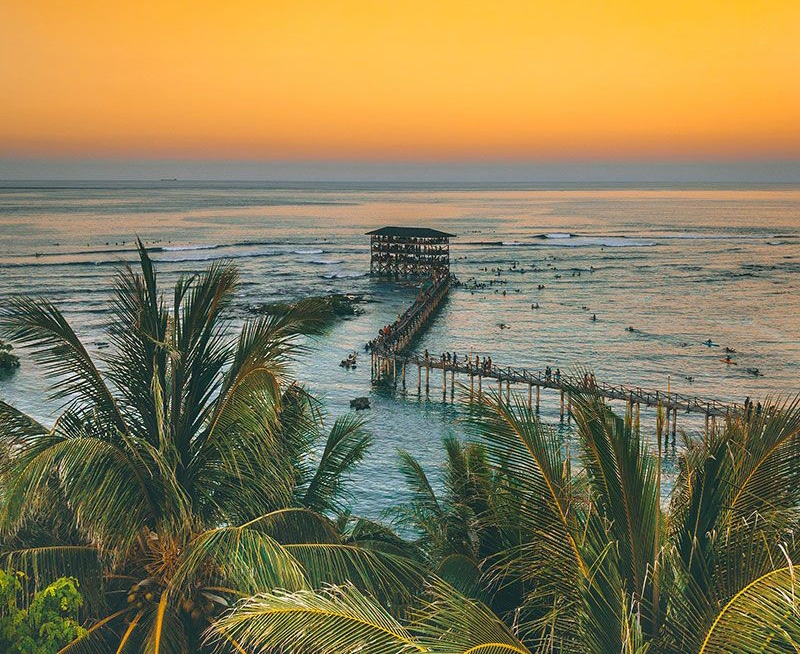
(410, 232)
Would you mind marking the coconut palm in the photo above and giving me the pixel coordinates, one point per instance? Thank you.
(601, 565)
(188, 466)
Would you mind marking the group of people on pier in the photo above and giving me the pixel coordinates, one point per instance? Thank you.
(469, 361)
(390, 334)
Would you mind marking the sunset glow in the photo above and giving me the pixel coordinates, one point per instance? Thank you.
(400, 80)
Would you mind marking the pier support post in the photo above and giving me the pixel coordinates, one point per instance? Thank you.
(530, 398)
(427, 380)
(480, 383)
(444, 383)
(538, 397)
(674, 424)
(508, 390)
(659, 418)
(419, 379)
(569, 407)
(637, 423)
(562, 405)
(706, 432)
(666, 421)
(403, 368)
(471, 386)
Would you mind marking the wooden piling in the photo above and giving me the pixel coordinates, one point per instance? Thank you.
(444, 383)
(427, 379)
(637, 424)
(538, 397)
(562, 405)
(659, 419)
(530, 398)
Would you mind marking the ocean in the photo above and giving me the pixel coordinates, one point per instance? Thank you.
(680, 264)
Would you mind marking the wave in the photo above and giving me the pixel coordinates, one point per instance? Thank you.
(165, 260)
(691, 236)
(307, 251)
(342, 275)
(580, 241)
(324, 262)
(167, 248)
(556, 235)
(232, 255)
(181, 248)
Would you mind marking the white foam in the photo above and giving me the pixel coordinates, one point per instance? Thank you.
(307, 251)
(234, 255)
(342, 275)
(181, 248)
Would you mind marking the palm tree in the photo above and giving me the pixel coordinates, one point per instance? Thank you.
(187, 468)
(601, 565)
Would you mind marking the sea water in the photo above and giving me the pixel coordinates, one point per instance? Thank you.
(678, 264)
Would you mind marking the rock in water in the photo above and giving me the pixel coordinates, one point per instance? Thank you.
(359, 403)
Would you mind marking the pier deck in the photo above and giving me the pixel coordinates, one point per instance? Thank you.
(391, 357)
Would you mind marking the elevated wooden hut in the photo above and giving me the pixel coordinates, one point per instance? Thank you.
(409, 252)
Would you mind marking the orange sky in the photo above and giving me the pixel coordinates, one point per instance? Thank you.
(400, 79)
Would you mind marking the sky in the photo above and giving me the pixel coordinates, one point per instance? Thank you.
(432, 82)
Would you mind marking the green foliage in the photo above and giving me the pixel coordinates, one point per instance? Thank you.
(177, 461)
(8, 360)
(47, 624)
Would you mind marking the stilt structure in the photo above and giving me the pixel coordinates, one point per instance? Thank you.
(409, 252)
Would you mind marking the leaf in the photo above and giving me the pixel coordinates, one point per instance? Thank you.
(334, 620)
(761, 618)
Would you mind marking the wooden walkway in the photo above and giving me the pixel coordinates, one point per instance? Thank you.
(391, 359)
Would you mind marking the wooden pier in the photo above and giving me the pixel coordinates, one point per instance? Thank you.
(391, 362)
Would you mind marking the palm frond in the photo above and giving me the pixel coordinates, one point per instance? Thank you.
(101, 483)
(237, 557)
(334, 620)
(763, 617)
(392, 579)
(624, 485)
(451, 623)
(40, 325)
(139, 337)
(536, 476)
(345, 446)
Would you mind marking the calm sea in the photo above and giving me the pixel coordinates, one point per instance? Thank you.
(678, 264)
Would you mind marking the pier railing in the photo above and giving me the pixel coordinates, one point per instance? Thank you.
(399, 336)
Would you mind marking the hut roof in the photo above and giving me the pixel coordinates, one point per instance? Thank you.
(410, 232)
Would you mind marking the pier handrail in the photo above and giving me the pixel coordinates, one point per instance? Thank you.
(394, 343)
